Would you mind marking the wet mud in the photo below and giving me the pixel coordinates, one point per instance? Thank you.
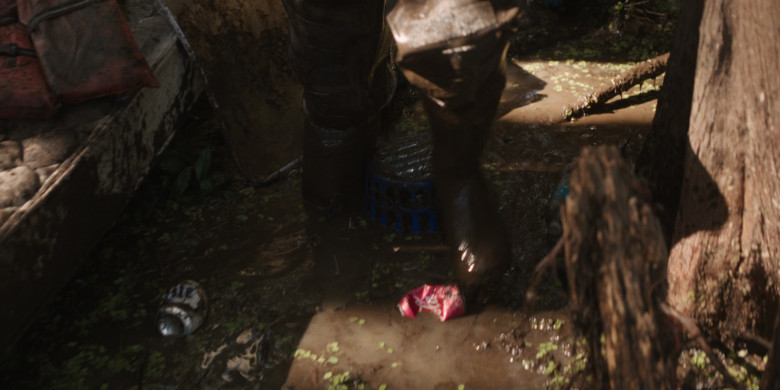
(307, 300)
(242, 48)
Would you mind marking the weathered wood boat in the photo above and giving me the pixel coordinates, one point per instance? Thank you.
(64, 180)
(78, 169)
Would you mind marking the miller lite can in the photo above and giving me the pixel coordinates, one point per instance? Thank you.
(183, 309)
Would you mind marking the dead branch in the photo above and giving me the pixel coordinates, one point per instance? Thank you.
(615, 254)
(651, 68)
(281, 171)
(421, 248)
(539, 271)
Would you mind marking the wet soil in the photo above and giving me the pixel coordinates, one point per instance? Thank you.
(307, 300)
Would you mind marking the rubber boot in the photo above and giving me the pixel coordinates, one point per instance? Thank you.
(459, 70)
(471, 222)
(338, 50)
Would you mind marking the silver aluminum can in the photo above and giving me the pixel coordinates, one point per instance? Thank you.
(183, 309)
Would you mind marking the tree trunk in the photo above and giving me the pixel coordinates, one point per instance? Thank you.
(615, 257)
(660, 162)
(723, 269)
(771, 378)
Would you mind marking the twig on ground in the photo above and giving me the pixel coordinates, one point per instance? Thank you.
(755, 339)
(421, 248)
(275, 175)
(540, 269)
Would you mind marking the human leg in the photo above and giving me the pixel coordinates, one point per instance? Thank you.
(453, 51)
(337, 51)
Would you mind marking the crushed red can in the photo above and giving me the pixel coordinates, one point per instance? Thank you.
(443, 301)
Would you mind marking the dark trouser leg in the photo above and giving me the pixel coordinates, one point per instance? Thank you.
(461, 78)
(336, 50)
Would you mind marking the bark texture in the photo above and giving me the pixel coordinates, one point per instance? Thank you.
(660, 162)
(723, 270)
(771, 378)
(615, 257)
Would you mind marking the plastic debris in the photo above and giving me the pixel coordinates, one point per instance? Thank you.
(443, 301)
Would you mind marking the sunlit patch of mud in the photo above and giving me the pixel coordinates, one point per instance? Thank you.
(490, 349)
(560, 83)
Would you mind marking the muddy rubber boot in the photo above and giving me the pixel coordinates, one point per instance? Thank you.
(471, 222)
(453, 51)
(338, 50)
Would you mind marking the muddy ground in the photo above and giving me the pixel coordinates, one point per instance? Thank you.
(308, 300)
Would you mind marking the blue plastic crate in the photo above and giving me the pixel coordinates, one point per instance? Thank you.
(405, 206)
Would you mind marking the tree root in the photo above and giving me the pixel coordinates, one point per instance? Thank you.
(695, 333)
(546, 264)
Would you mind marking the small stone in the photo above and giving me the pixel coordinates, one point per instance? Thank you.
(48, 148)
(10, 154)
(17, 185)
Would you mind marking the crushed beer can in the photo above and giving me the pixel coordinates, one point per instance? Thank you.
(183, 309)
(443, 301)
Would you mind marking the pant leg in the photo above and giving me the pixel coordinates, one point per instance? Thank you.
(337, 51)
